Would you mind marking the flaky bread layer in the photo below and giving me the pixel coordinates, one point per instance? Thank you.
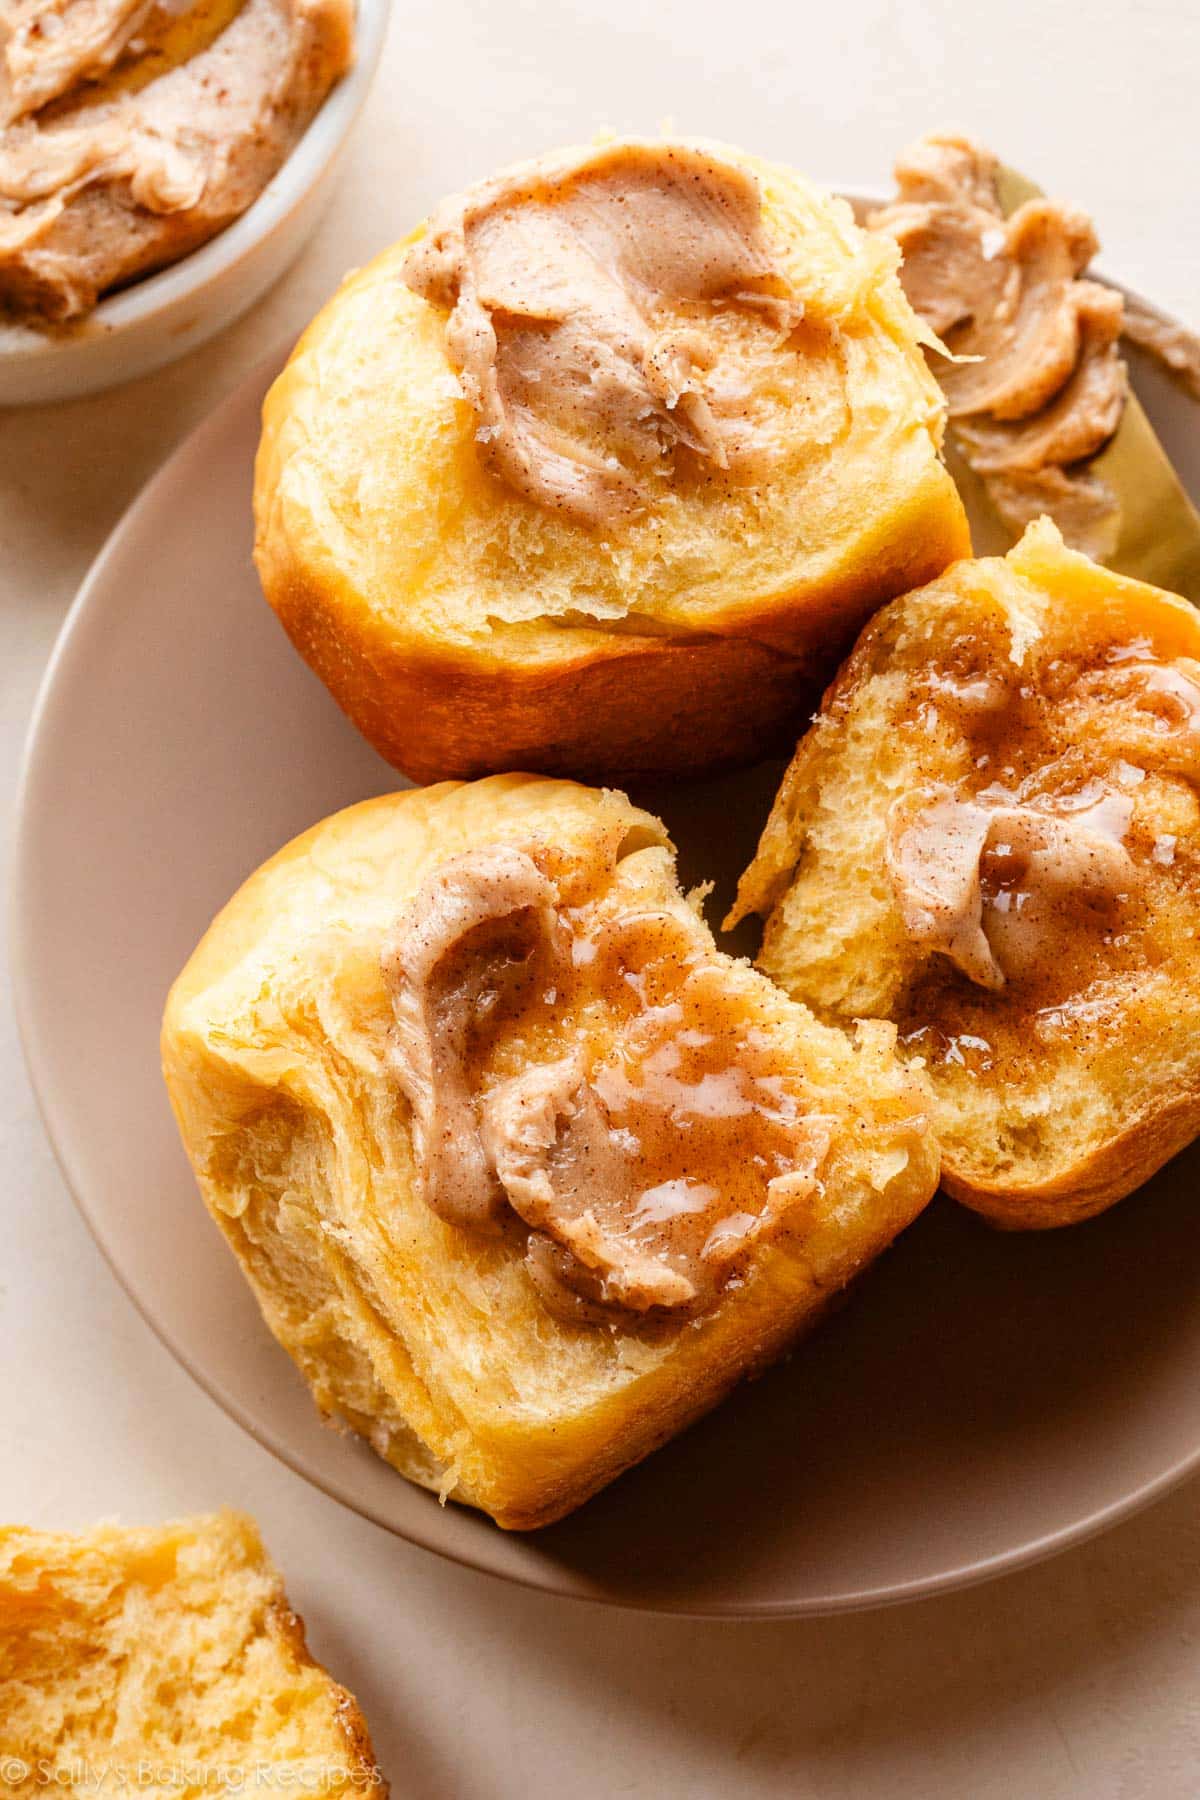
(428, 1338)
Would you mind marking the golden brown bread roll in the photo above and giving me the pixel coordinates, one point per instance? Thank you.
(601, 469)
(524, 1173)
(165, 1661)
(991, 837)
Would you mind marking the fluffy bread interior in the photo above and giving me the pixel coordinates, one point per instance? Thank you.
(429, 1339)
(171, 1652)
(1050, 1102)
(414, 581)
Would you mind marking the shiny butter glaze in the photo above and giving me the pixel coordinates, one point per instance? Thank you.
(594, 1077)
(1037, 878)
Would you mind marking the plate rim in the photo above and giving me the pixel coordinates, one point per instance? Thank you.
(552, 1577)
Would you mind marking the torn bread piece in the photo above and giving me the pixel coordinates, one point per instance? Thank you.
(991, 838)
(166, 1660)
(525, 1174)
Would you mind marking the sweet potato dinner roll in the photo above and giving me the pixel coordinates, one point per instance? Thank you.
(598, 470)
(165, 1661)
(991, 838)
(524, 1173)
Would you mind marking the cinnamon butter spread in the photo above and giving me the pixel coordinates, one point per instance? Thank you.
(1039, 870)
(993, 884)
(594, 307)
(130, 132)
(590, 1078)
(1039, 385)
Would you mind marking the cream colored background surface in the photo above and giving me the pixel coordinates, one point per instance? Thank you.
(1075, 1679)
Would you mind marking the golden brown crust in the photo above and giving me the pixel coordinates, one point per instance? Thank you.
(629, 709)
(698, 1391)
(464, 629)
(431, 1340)
(1045, 1118)
(1107, 1174)
(364, 1771)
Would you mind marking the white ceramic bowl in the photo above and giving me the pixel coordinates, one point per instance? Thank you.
(164, 316)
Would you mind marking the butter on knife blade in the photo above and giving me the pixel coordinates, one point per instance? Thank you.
(1159, 529)
(1042, 416)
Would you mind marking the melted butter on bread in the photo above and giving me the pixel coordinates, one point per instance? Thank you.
(991, 838)
(429, 1339)
(995, 885)
(653, 1132)
(464, 626)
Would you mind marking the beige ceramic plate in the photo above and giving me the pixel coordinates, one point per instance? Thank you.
(980, 1401)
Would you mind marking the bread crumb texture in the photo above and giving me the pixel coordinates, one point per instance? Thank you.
(464, 627)
(381, 464)
(431, 1340)
(1043, 681)
(164, 1661)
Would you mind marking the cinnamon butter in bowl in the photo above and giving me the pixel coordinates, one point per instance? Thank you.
(161, 163)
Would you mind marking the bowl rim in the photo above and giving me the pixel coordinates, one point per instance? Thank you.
(302, 170)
